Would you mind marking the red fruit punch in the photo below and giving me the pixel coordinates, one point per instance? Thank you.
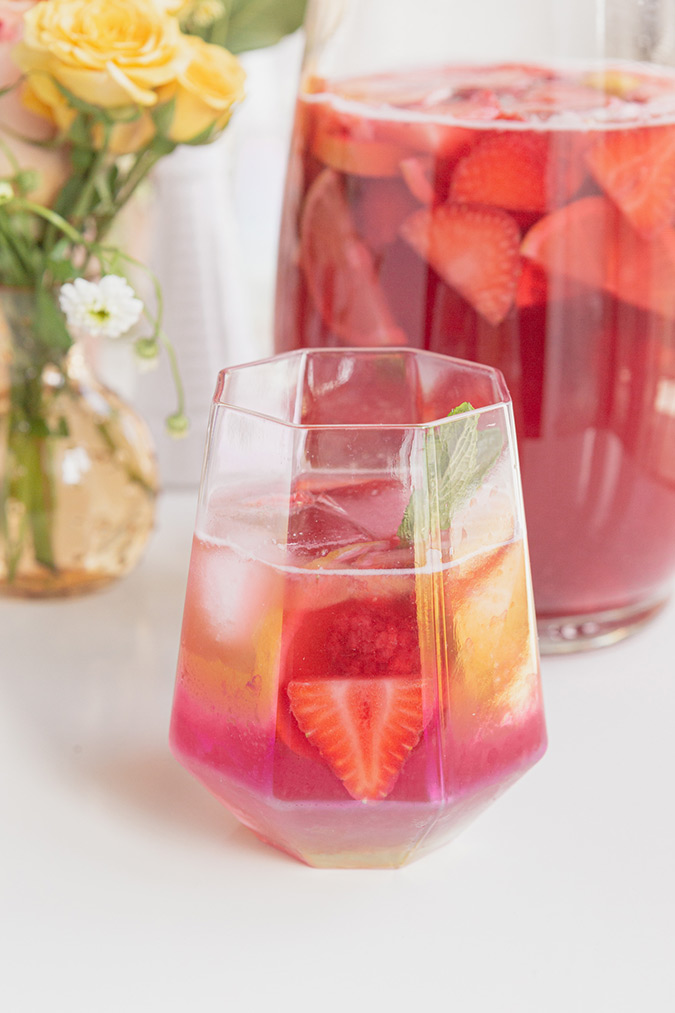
(541, 240)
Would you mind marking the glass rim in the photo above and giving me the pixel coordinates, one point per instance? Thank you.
(402, 350)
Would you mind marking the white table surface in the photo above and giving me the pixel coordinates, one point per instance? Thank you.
(125, 886)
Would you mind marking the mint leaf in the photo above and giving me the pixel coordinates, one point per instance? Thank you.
(458, 457)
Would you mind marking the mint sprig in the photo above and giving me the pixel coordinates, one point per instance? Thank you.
(458, 457)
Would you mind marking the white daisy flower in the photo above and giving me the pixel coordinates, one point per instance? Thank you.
(108, 307)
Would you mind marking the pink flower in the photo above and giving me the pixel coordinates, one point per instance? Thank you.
(11, 29)
(11, 18)
(51, 165)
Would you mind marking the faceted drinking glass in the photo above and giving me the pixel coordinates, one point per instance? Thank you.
(496, 181)
(358, 673)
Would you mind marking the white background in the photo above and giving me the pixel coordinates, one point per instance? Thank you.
(124, 886)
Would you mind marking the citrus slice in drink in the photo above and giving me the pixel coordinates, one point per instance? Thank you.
(491, 628)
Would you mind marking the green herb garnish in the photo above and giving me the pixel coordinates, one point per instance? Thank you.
(458, 457)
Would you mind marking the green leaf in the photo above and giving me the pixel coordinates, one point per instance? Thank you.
(161, 145)
(68, 195)
(254, 24)
(80, 136)
(205, 136)
(61, 428)
(96, 112)
(162, 116)
(61, 270)
(458, 457)
(50, 326)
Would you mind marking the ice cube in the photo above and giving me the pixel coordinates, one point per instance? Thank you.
(227, 593)
(317, 525)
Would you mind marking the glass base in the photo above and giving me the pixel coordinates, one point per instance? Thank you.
(566, 634)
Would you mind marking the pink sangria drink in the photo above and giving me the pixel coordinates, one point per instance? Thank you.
(524, 217)
(358, 673)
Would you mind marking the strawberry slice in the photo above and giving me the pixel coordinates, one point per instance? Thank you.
(532, 285)
(636, 168)
(364, 729)
(592, 243)
(354, 639)
(340, 271)
(474, 249)
(519, 172)
(379, 207)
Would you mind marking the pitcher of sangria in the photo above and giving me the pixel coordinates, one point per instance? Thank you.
(496, 181)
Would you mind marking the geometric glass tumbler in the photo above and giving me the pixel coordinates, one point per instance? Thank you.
(358, 673)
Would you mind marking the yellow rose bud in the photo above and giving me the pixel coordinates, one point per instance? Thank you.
(110, 53)
(204, 91)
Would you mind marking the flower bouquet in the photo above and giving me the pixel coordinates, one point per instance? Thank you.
(92, 94)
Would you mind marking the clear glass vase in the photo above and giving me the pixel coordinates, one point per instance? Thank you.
(496, 181)
(78, 477)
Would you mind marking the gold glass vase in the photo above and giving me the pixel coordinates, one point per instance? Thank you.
(78, 478)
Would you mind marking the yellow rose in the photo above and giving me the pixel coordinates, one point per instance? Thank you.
(204, 91)
(111, 53)
(172, 6)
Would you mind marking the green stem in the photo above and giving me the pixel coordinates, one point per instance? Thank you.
(52, 216)
(81, 208)
(29, 467)
(145, 162)
(175, 372)
(21, 257)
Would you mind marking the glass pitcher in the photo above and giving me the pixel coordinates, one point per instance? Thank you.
(496, 181)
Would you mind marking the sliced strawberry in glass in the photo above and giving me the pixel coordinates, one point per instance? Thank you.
(340, 270)
(519, 172)
(351, 639)
(591, 242)
(636, 169)
(474, 249)
(532, 285)
(379, 207)
(364, 729)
